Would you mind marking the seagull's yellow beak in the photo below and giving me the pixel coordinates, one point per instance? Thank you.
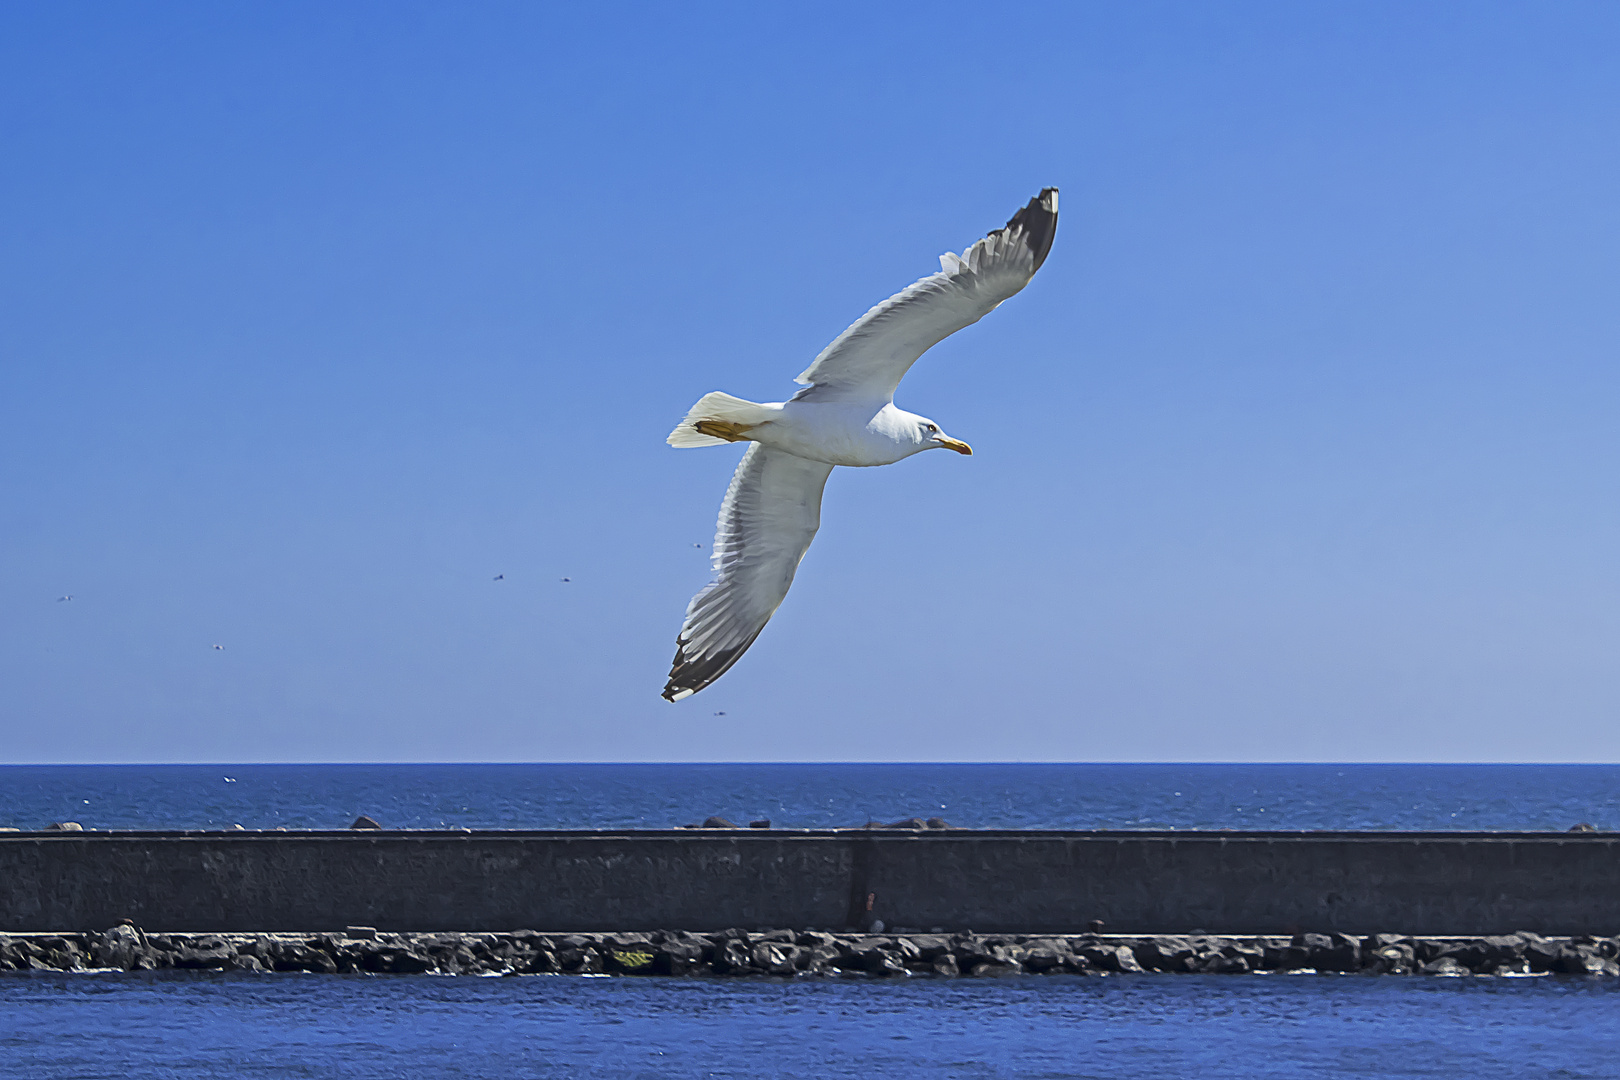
(954, 444)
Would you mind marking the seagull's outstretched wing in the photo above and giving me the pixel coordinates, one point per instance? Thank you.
(770, 515)
(867, 361)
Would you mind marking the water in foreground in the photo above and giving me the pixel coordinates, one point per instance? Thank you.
(57, 1027)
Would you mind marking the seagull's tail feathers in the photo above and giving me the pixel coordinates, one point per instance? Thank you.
(718, 412)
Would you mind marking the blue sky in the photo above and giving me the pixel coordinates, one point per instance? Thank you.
(316, 317)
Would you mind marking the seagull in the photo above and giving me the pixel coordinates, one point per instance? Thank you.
(565, 579)
(221, 647)
(499, 577)
(845, 415)
(59, 599)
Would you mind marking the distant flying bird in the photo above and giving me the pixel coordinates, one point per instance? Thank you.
(720, 714)
(219, 646)
(845, 415)
(59, 599)
(565, 579)
(500, 577)
(697, 545)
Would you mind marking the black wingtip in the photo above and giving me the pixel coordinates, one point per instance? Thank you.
(688, 675)
(1038, 220)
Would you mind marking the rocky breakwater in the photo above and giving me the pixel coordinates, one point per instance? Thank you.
(785, 953)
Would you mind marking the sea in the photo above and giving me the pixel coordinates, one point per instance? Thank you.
(170, 1024)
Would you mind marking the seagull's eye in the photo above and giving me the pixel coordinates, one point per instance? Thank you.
(933, 429)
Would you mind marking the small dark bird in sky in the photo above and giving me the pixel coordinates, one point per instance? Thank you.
(59, 599)
(720, 713)
(219, 647)
(565, 579)
(697, 545)
(500, 577)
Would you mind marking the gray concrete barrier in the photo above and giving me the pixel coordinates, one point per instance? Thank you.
(986, 881)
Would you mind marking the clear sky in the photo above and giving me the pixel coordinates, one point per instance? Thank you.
(316, 317)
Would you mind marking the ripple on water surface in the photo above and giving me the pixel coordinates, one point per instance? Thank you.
(82, 1026)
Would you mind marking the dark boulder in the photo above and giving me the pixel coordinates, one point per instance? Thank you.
(365, 822)
(64, 826)
(1445, 965)
(117, 948)
(1324, 952)
(211, 959)
(775, 958)
(717, 823)
(1389, 954)
(1164, 953)
(732, 957)
(908, 823)
(1584, 958)
(938, 823)
(1044, 959)
(762, 823)
(677, 957)
(1584, 826)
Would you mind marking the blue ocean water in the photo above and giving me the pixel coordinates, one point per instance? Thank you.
(1261, 1027)
(1066, 796)
(79, 1027)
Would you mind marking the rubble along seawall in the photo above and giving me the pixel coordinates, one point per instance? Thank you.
(789, 953)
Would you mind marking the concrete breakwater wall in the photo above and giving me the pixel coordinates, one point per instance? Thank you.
(789, 953)
(1227, 883)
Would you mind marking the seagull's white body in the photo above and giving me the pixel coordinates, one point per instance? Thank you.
(840, 433)
(845, 415)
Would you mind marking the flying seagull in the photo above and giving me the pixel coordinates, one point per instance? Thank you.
(845, 415)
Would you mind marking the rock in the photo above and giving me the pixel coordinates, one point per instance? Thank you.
(1583, 959)
(1583, 827)
(732, 957)
(64, 826)
(209, 959)
(1095, 926)
(1324, 952)
(365, 822)
(117, 948)
(1539, 953)
(1044, 959)
(677, 957)
(717, 823)
(244, 962)
(776, 958)
(945, 964)
(361, 933)
(909, 823)
(1445, 965)
(1389, 955)
(405, 962)
(762, 823)
(938, 823)
(296, 957)
(1123, 961)
(630, 961)
(1164, 953)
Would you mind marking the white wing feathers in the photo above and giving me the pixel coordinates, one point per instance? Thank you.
(867, 361)
(769, 516)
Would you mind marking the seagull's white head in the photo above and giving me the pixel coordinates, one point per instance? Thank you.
(929, 436)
